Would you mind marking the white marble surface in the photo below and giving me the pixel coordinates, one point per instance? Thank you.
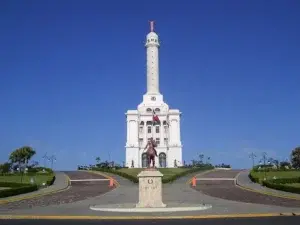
(150, 189)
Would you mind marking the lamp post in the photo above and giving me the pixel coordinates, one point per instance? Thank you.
(265, 159)
(252, 156)
(45, 157)
(52, 159)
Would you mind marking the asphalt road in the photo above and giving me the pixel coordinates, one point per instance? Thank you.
(230, 221)
(221, 174)
(228, 190)
(78, 191)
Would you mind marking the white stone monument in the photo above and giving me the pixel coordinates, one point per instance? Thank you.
(150, 189)
(140, 126)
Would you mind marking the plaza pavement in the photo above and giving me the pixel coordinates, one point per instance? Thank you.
(177, 194)
(207, 221)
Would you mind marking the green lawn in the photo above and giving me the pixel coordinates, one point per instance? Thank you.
(277, 174)
(167, 172)
(39, 179)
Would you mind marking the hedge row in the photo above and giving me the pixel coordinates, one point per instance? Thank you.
(276, 181)
(281, 187)
(270, 169)
(170, 179)
(286, 180)
(16, 189)
(21, 188)
(186, 172)
(252, 178)
(119, 173)
(50, 181)
(24, 174)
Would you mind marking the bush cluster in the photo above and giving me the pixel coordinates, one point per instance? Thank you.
(169, 179)
(119, 173)
(278, 184)
(50, 181)
(16, 189)
(281, 186)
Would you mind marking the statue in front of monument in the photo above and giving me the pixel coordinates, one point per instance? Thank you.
(151, 152)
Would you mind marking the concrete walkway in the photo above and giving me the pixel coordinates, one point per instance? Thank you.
(61, 183)
(177, 194)
(244, 181)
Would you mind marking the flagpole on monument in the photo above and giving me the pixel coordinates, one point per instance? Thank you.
(139, 144)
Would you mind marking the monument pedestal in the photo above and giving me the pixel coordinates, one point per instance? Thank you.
(150, 189)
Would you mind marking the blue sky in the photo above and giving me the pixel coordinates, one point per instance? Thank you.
(69, 70)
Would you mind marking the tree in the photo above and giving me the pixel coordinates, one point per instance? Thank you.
(208, 160)
(295, 157)
(5, 167)
(283, 164)
(18, 157)
(276, 163)
(29, 152)
(21, 156)
(98, 159)
(201, 157)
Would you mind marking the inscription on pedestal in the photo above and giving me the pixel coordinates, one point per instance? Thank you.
(150, 189)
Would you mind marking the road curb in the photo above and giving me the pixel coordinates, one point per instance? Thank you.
(262, 192)
(116, 183)
(30, 196)
(189, 181)
(212, 216)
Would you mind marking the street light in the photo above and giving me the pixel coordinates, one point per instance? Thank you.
(252, 156)
(52, 159)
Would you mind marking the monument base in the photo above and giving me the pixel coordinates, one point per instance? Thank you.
(150, 189)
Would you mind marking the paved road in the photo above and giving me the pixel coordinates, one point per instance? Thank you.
(78, 191)
(228, 190)
(228, 221)
(220, 174)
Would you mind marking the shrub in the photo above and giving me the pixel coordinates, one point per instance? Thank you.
(135, 179)
(252, 178)
(121, 174)
(186, 172)
(39, 170)
(16, 189)
(281, 187)
(286, 180)
(50, 181)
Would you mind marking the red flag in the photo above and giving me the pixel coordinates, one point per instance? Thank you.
(155, 118)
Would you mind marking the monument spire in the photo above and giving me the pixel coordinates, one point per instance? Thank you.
(151, 26)
(152, 45)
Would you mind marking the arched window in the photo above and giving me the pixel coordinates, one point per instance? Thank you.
(162, 160)
(157, 110)
(144, 160)
(149, 110)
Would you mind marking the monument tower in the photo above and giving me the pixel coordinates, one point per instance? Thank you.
(140, 124)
